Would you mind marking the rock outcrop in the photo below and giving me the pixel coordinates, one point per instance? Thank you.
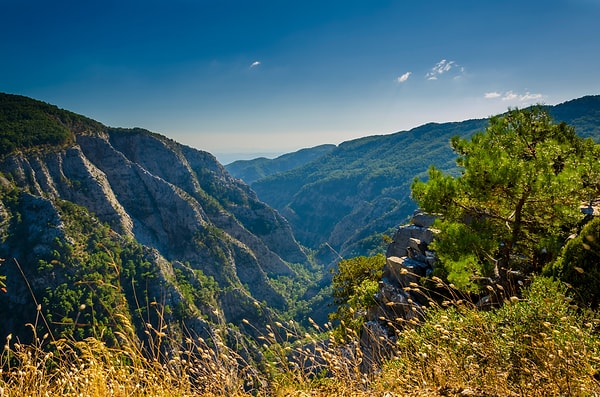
(177, 202)
(398, 300)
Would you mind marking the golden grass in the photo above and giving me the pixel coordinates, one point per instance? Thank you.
(537, 345)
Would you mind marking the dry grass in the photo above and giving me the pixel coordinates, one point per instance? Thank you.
(535, 346)
(91, 368)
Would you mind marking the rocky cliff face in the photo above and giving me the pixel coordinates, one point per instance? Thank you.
(191, 217)
(399, 300)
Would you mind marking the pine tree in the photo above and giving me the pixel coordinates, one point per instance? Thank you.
(516, 200)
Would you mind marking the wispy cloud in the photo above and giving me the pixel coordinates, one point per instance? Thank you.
(527, 97)
(492, 95)
(404, 77)
(442, 67)
(512, 96)
(254, 64)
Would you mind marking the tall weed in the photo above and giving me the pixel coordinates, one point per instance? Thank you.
(539, 345)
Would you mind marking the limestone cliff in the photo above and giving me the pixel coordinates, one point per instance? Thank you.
(193, 220)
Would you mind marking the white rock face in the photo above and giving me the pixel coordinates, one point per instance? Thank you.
(173, 199)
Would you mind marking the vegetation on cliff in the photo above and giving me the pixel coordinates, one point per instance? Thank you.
(516, 200)
(26, 123)
(355, 284)
(103, 326)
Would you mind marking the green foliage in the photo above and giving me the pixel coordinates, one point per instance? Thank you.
(538, 345)
(579, 264)
(354, 287)
(293, 288)
(517, 198)
(26, 123)
(197, 287)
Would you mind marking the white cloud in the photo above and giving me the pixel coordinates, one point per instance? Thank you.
(442, 67)
(404, 77)
(492, 95)
(530, 97)
(512, 96)
(509, 96)
(255, 64)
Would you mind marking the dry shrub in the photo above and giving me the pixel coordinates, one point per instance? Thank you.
(91, 368)
(539, 345)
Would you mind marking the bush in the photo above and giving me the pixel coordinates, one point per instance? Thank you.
(579, 265)
(354, 287)
(536, 346)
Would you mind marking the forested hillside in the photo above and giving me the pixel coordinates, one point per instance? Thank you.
(361, 190)
(252, 170)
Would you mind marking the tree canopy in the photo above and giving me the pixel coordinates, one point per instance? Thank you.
(26, 123)
(354, 286)
(518, 196)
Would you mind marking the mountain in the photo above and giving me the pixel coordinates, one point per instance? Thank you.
(344, 202)
(108, 230)
(252, 170)
(360, 189)
(117, 228)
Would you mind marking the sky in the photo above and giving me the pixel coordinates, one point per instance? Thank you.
(247, 78)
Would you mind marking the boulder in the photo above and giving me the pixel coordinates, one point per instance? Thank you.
(423, 219)
(401, 240)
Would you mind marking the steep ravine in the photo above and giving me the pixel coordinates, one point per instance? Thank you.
(177, 202)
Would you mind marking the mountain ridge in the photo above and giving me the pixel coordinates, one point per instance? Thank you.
(252, 170)
(361, 189)
(178, 204)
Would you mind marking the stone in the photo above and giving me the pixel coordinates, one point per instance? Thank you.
(402, 237)
(399, 273)
(423, 219)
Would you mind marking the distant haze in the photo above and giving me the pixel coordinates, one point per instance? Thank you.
(227, 158)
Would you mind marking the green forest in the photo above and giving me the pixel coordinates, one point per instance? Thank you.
(27, 124)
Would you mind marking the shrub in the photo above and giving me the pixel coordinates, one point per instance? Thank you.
(354, 286)
(536, 346)
(579, 265)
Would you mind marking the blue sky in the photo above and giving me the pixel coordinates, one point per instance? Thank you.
(248, 77)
